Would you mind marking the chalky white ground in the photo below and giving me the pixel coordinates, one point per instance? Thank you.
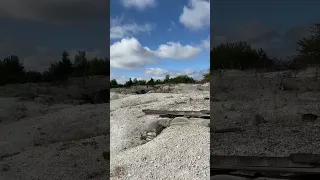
(179, 152)
(239, 96)
(66, 142)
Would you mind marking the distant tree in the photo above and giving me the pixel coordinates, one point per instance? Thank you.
(81, 66)
(158, 81)
(61, 70)
(151, 82)
(98, 66)
(114, 83)
(128, 83)
(135, 82)
(11, 70)
(238, 55)
(182, 79)
(80, 63)
(47, 77)
(33, 77)
(142, 82)
(167, 79)
(309, 47)
(67, 65)
(56, 71)
(206, 76)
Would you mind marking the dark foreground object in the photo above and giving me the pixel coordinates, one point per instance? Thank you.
(296, 166)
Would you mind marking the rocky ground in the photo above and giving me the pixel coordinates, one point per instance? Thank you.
(237, 97)
(54, 131)
(179, 152)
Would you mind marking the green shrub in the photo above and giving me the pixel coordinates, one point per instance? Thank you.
(238, 55)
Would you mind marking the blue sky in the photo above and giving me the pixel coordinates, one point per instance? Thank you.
(153, 38)
(275, 26)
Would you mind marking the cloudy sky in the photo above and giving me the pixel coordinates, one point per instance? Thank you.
(153, 38)
(38, 31)
(275, 26)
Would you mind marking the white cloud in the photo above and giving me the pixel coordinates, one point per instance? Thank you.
(139, 4)
(159, 73)
(206, 43)
(119, 30)
(197, 15)
(122, 79)
(112, 75)
(174, 50)
(129, 54)
(189, 71)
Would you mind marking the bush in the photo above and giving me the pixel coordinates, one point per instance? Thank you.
(206, 77)
(151, 82)
(182, 79)
(114, 83)
(309, 47)
(12, 71)
(238, 55)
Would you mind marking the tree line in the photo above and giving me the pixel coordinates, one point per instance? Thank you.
(175, 80)
(240, 55)
(13, 71)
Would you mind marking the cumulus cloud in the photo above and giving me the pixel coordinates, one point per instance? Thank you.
(119, 30)
(129, 54)
(122, 79)
(159, 73)
(189, 71)
(70, 11)
(206, 43)
(174, 50)
(139, 4)
(196, 15)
